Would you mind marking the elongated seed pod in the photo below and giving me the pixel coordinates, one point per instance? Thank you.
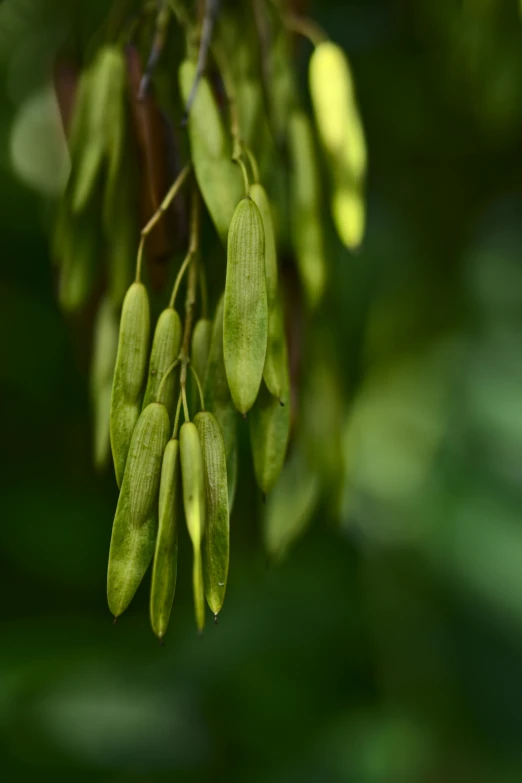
(342, 137)
(200, 347)
(129, 373)
(335, 108)
(216, 538)
(218, 178)
(165, 350)
(102, 123)
(218, 400)
(259, 196)
(275, 371)
(306, 219)
(269, 424)
(194, 503)
(165, 567)
(104, 352)
(245, 315)
(136, 519)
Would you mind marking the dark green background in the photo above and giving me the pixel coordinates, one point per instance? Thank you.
(387, 652)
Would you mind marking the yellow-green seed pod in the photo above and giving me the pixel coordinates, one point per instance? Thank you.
(349, 213)
(218, 400)
(165, 566)
(306, 220)
(335, 107)
(105, 347)
(219, 179)
(102, 123)
(77, 249)
(165, 350)
(200, 347)
(136, 519)
(269, 424)
(245, 315)
(194, 503)
(259, 196)
(120, 227)
(129, 373)
(216, 538)
(342, 137)
(275, 372)
(290, 505)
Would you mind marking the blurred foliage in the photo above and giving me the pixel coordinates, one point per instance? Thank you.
(389, 651)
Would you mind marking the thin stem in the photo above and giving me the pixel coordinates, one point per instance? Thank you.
(139, 261)
(166, 375)
(184, 396)
(193, 247)
(198, 383)
(179, 278)
(244, 172)
(203, 291)
(306, 27)
(158, 43)
(176, 420)
(253, 163)
(211, 11)
(165, 204)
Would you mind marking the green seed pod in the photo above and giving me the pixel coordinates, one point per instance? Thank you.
(275, 371)
(219, 402)
(290, 505)
(335, 107)
(129, 373)
(307, 227)
(120, 226)
(99, 133)
(199, 351)
(342, 136)
(165, 567)
(136, 519)
(245, 316)
(259, 196)
(216, 539)
(218, 177)
(165, 350)
(105, 348)
(194, 503)
(269, 433)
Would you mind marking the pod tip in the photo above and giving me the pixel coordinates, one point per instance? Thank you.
(215, 619)
(115, 619)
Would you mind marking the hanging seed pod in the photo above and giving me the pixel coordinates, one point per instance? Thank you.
(216, 538)
(290, 505)
(219, 402)
(245, 316)
(218, 178)
(165, 350)
(165, 567)
(77, 246)
(135, 523)
(269, 424)
(105, 348)
(194, 503)
(342, 137)
(275, 371)
(199, 351)
(335, 107)
(101, 123)
(129, 373)
(307, 229)
(259, 196)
